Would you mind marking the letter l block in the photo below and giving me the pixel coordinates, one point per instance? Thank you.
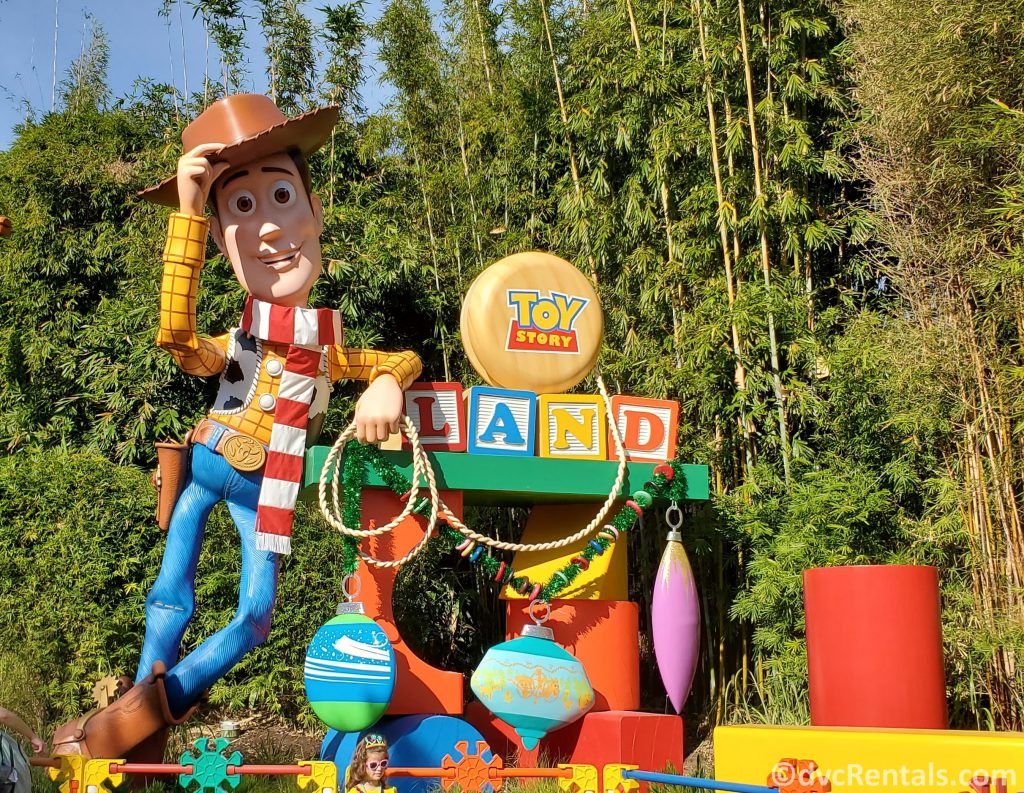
(439, 415)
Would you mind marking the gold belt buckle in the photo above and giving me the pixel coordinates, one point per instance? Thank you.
(243, 452)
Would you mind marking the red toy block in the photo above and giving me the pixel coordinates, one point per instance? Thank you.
(648, 428)
(652, 741)
(419, 687)
(602, 634)
(874, 647)
(439, 414)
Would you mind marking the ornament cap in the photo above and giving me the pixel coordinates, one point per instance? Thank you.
(674, 536)
(538, 632)
(350, 607)
(674, 517)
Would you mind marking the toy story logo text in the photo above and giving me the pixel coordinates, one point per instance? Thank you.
(543, 324)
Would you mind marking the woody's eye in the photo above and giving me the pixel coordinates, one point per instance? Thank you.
(242, 203)
(283, 193)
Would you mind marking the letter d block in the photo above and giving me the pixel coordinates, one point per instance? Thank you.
(573, 426)
(437, 411)
(502, 421)
(647, 428)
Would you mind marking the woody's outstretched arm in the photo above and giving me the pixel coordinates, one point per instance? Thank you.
(388, 373)
(184, 254)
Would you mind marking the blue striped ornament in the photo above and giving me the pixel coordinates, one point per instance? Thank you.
(533, 684)
(350, 670)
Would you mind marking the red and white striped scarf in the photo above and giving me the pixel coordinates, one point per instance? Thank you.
(306, 331)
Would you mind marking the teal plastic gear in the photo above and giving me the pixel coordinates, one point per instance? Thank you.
(210, 763)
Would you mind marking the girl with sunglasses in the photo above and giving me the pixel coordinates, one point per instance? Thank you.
(369, 763)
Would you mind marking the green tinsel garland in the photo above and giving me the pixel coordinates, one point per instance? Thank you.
(358, 457)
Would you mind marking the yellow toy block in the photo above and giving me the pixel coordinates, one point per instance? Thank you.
(861, 760)
(573, 427)
(72, 767)
(605, 579)
(97, 775)
(322, 778)
(584, 779)
(613, 781)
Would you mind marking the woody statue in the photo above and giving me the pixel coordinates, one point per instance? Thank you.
(247, 162)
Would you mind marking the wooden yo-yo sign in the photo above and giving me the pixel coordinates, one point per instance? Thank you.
(532, 321)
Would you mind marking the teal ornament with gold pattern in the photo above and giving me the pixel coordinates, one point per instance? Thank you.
(532, 683)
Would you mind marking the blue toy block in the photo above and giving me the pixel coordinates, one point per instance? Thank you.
(419, 741)
(502, 421)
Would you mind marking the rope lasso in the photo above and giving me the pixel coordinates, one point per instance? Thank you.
(332, 510)
(468, 533)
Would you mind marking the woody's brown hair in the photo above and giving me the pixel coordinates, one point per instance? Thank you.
(356, 774)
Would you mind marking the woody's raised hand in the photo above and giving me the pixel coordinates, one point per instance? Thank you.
(196, 175)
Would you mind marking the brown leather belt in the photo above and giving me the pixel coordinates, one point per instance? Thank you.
(243, 452)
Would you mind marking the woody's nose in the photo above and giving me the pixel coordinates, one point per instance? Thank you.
(269, 231)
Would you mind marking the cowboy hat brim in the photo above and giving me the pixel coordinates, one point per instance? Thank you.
(306, 132)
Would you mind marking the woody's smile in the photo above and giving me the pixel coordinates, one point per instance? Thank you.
(280, 260)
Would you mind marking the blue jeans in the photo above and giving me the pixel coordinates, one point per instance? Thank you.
(171, 602)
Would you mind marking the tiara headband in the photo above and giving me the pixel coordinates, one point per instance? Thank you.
(374, 741)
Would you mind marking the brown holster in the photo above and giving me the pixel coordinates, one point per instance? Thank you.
(172, 461)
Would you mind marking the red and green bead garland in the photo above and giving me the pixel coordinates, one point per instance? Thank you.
(666, 483)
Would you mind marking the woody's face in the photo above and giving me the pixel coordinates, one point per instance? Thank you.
(270, 229)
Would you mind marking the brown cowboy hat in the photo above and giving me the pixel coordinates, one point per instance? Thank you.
(250, 126)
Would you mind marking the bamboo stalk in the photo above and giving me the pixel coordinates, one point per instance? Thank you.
(563, 114)
(670, 245)
(765, 259)
(56, 31)
(740, 372)
(664, 30)
(433, 249)
(469, 190)
(184, 59)
(170, 64)
(632, 25)
(483, 47)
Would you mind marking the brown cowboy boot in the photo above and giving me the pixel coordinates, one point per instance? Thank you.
(140, 716)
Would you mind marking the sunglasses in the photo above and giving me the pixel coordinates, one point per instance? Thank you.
(373, 765)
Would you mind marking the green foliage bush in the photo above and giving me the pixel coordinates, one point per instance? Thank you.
(79, 549)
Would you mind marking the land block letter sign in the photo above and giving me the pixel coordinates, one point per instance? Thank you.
(573, 426)
(502, 421)
(647, 428)
(437, 411)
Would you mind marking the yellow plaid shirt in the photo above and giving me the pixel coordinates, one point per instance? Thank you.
(184, 254)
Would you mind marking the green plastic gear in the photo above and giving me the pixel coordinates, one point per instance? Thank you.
(210, 766)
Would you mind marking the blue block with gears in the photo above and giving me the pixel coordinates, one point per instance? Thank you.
(420, 741)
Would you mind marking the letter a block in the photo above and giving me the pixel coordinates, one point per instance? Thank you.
(502, 421)
(647, 428)
(437, 411)
(573, 426)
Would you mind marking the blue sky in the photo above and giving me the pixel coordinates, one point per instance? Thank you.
(138, 47)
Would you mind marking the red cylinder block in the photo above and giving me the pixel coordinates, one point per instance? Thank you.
(874, 647)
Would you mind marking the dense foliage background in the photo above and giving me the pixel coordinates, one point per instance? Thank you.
(804, 221)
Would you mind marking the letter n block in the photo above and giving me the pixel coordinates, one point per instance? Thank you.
(647, 428)
(573, 426)
(437, 411)
(502, 421)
